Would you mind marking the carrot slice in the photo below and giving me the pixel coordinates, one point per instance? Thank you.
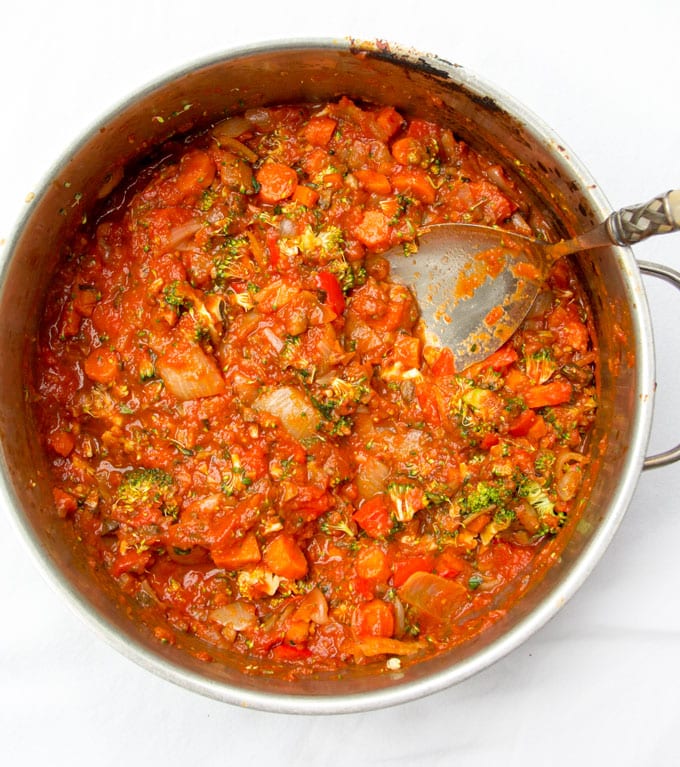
(277, 181)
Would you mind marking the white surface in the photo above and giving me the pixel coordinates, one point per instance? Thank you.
(601, 683)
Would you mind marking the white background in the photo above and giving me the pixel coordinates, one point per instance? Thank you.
(600, 684)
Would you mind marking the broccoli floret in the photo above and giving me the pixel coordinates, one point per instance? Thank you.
(540, 365)
(144, 486)
(537, 497)
(544, 461)
(407, 500)
(482, 498)
(329, 240)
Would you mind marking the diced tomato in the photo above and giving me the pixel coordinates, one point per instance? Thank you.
(449, 564)
(277, 181)
(62, 442)
(565, 322)
(403, 568)
(495, 204)
(373, 618)
(521, 425)
(85, 300)
(284, 557)
(288, 652)
(502, 358)
(422, 129)
(444, 365)
(330, 285)
(272, 241)
(130, 562)
(548, 394)
(65, 502)
(489, 440)
(429, 405)
(407, 351)
(373, 516)
(102, 365)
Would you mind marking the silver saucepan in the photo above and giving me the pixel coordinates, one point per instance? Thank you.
(316, 71)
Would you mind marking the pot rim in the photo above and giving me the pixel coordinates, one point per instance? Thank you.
(560, 594)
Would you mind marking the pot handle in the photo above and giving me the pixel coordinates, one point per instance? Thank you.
(673, 277)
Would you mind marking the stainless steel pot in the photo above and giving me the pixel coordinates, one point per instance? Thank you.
(316, 71)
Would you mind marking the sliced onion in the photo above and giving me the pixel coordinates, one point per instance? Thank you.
(181, 233)
(371, 479)
(232, 127)
(313, 607)
(433, 595)
(259, 116)
(237, 615)
(276, 342)
(293, 408)
(191, 374)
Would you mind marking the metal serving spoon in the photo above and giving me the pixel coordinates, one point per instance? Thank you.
(475, 284)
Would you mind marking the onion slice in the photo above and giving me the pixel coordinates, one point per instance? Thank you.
(433, 595)
(293, 408)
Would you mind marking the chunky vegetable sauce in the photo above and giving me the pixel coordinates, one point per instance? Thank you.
(246, 426)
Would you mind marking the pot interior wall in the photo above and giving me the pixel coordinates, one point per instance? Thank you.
(428, 88)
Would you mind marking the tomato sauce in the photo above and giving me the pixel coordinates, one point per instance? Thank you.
(246, 425)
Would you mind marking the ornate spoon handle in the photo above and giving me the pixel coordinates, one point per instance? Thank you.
(637, 222)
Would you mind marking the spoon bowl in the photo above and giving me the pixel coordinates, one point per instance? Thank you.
(475, 284)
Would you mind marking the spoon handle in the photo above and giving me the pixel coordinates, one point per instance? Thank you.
(637, 222)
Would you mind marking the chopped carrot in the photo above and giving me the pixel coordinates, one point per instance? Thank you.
(416, 182)
(277, 181)
(408, 151)
(332, 180)
(319, 130)
(373, 182)
(305, 195)
(196, 172)
(371, 563)
(285, 558)
(245, 552)
(374, 618)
